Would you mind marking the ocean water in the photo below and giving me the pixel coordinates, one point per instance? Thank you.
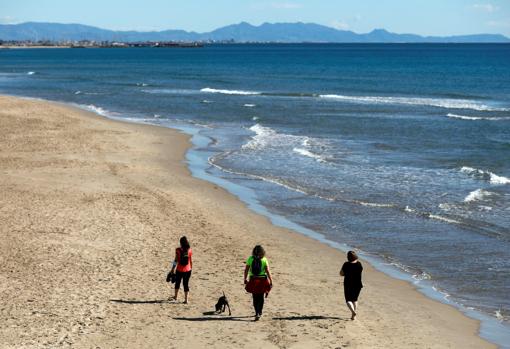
(400, 151)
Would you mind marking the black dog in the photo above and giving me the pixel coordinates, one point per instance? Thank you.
(222, 304)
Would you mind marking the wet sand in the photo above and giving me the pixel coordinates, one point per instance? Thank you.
(91, 211)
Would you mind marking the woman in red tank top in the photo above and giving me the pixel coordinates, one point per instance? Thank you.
(182, 266)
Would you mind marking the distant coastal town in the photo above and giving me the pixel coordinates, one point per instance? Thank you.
(98, 44)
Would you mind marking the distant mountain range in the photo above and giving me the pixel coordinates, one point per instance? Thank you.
(242, 32)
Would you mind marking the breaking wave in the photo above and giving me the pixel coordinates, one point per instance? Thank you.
(477, 195)
(229, 92)
(177, 91)
(302, 145)
(267, 137)
(97, 110)
(485, 175)
(433, 102)
(464, 117)
(309, 154)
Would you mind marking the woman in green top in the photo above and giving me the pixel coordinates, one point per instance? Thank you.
(260, 282)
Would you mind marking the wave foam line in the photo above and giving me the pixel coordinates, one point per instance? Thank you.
(267, 137)
(433, 102)
(473, 118)
(229, 92)
(97, 110)
(309, 154)
(211, 160)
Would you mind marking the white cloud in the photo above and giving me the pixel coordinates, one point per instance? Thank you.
(489, 8)
(340, 25)
(286, 5)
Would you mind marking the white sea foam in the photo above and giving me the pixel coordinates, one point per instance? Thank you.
(173, 91)
(433, 102)
(206, 101)
(255, 118)
(31, 73)
(464, 117)
(266, 136)
(373, 204)
(409, 209)
(495, 179)
(302, 145)
(212, 161)
(309, 154)
(229, 92)
(157, 116)
(443, 219)
(498, 315)
(97, 110)
(77, 92)
(485, 175)
(248, 105)
(422, 276)
(446, 206)
(477, 195)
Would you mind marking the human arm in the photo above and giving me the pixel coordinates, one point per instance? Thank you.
(174, 263)
(342, 273)
(246, 269)
(268, 272)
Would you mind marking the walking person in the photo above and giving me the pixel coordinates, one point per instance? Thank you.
(182, 265)
(260, 281)
(351, 271)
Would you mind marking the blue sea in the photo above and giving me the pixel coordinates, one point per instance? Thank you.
(399, 150)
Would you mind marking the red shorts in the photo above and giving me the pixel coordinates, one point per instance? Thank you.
(258, 285)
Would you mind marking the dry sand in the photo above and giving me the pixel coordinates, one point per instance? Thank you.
(90, 214)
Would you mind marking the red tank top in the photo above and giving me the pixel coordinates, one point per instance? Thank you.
(183, 268)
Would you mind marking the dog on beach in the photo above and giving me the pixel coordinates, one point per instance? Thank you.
(222, 305)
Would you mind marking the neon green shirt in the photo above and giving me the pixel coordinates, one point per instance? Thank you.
(264, 263)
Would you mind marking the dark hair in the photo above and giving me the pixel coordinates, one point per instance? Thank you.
(184, 243)
(352, 256)
(258, 251)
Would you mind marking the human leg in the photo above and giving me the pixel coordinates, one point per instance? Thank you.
(185, 282)
(352, 308)
(178, 278)
(255, 302)
(258, 303)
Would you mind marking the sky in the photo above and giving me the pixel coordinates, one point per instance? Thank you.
(424, 17)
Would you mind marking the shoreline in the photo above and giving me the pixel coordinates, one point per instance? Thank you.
(225, 204)
(490, 328)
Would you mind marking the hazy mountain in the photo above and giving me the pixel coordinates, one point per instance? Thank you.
(242, 32)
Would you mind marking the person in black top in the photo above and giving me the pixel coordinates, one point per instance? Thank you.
(351, 271)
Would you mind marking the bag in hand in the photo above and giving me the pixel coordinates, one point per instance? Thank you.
(170, 277)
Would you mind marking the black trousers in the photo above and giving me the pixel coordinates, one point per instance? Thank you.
(184, 276)
(258, 302)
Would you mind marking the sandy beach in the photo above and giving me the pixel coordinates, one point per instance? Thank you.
(91, 210)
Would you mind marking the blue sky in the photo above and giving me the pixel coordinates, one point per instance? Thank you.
(426, 17)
